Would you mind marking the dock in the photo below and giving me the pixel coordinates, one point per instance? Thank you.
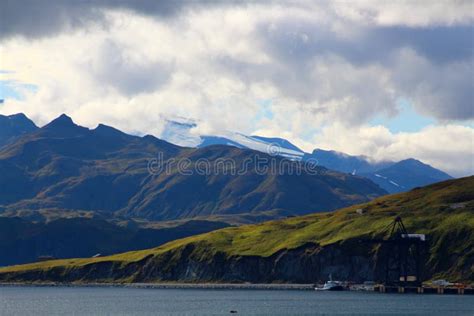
(424, 290)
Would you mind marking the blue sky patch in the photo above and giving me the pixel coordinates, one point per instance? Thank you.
(407, 120)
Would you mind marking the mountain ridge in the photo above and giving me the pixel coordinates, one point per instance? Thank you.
(66, 166)
(179, 132)
(330, 159)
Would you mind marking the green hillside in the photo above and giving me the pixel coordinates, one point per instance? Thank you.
(292, 250)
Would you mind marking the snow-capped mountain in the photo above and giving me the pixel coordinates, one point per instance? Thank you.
(272, 146)
(180, 131)
(392, 176)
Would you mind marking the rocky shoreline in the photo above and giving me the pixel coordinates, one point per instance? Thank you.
(216, 286)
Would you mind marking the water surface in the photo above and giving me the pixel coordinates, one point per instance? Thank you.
(125, 301)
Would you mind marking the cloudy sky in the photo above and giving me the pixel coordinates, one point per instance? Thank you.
(384, 79)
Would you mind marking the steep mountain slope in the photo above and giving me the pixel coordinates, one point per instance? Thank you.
(227, 190)
(63, 166)
(300, 249)
(13, 126)
(22, 241)
(406, 174)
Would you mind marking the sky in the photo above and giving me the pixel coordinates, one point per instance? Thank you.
(390, 80)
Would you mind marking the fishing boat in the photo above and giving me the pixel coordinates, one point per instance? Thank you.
(331, 285)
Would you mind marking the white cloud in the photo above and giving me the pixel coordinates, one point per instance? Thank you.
(326, 71)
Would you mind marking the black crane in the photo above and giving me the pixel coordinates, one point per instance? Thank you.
(402, 255)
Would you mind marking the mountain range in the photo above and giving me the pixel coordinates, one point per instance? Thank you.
(63, 167)
(62, 181)
(392, 176)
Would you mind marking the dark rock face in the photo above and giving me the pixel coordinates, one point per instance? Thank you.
(307, 264)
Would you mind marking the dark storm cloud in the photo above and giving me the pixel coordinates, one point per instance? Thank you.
(438, 44)
(33, 18)
(299, 41)
(441, 86)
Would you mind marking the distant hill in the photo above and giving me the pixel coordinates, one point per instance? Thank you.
(301, 249)
(63, 166)
(393, 177)
(13, 126)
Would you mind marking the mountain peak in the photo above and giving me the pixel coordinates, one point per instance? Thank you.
(13, 126)
(411, 161)
(61, 121)
(109, 131)
(19, 116)
(64, 126)
(64, 118)
(18, 119)
(106, 129)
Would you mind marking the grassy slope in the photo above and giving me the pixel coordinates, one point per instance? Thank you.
(444, 211)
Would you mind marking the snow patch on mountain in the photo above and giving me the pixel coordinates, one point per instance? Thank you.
(179, 131)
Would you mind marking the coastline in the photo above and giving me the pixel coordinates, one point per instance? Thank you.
(211, 286)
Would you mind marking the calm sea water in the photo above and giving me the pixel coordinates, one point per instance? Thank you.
(126, 301)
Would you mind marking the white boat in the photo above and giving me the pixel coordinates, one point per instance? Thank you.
(331, 286)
